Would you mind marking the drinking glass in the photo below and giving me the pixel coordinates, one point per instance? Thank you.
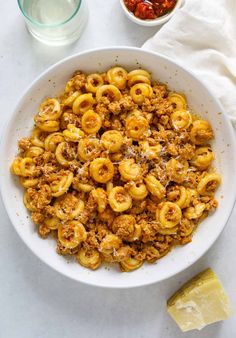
(55, 22)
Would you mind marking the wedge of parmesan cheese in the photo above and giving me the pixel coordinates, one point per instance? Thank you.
(199, 302)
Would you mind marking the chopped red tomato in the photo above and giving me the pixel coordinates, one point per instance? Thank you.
(131, 4)
(150, 9)
(144, 11)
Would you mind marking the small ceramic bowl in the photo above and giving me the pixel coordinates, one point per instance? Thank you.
(150, 22)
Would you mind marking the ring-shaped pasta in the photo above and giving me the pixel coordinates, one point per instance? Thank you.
(27, 182)
(101, 170)
(169, 215)
(61, 184)
(190, 194)
(140, 91)
(100, 196)
(27, 167)
(181, 119)
(136, 126)
(150, 152)
(138, 79)
(201, 132)
(109, 186)
(28, 202)
(52, 140)
(138, 76)
(88, 149)
(193, 193)
(109, 243)
(178, 101)
(71, 234)
(168, 231)
(109, 91)
(112, 140)
(119, 199)
(187, 228)
(83, 187)
(15, 166)
(72, 133)
(138, 191)
(52, 223)
(125, 227)
(49, 110)
(130, 264)
(83, 103)
(154, 186)
(70, 98)
(48, 126)
(129, 170)
(37, 137)
(208, 184)
(136, 234)
(89, 258)
(94, 81)
(176, 170)
(69, 86)
(68, 207)
(152, 253)
(203, 158)
(91, 122)
(195, 212)
(139, 72)
(180, 196)
(117, 76)
(34, 152)
(60, 154)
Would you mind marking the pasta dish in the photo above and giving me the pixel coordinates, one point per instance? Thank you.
(117, 169)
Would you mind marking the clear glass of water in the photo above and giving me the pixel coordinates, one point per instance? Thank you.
(55, 22)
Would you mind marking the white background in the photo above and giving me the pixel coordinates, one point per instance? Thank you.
(35, 301)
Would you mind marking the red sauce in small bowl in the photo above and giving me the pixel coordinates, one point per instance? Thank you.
(150, 9)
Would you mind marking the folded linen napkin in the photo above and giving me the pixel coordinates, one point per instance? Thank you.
(202, 37)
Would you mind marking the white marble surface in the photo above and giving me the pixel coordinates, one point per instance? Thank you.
(35, 301)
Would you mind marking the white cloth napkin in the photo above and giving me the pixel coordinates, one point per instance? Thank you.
(202, 37)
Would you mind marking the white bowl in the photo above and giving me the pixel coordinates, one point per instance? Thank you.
(50, 83)
(150, 22)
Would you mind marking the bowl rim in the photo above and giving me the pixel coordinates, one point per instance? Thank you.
(150, 22)
(3, 145)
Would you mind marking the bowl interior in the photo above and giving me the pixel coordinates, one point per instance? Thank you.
(51, 83)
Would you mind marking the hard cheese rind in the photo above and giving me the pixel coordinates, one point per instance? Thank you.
(199, 302)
